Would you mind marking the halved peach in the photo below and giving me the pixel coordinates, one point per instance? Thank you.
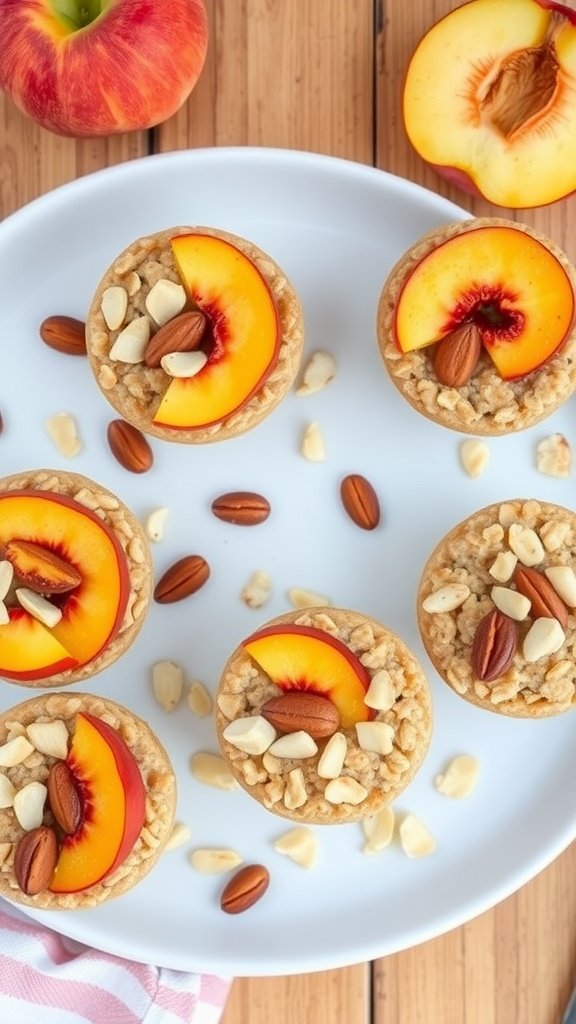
(303, 658)
(500, 278)
(93, 611)
(489, 100)
(243, 335)
(114, 805)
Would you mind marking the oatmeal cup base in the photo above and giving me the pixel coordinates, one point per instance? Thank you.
(132, 538)
(134, 390)
(464, 555)
(157, 775)
(487, 405)
(244, 686)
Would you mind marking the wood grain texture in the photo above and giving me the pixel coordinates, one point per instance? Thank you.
(326, 76)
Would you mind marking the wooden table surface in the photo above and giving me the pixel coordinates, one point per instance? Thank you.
(326, 75)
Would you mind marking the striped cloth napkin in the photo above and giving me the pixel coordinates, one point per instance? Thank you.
(48, 979)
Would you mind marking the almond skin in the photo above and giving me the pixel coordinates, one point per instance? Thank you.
(243, 508)
(183, 333)
(35, 860)
(64, 798)
(360, 501)
(545, 602)
(182, 579)
(301, 711)
(457, 355)
(494, 646)
(245, 888)
(41, 569)
(64, 334)
(129, 446)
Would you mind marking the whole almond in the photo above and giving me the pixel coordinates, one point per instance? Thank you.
(64, 798)
(182, 579)
(64, 334)
(35, 860)
(243, 508)
(181, 334)
(360, 501)
(40, 568)
(457, 355)
(298, 711)
(494, 646)
(245, 888)
(545, 603)
(129, 446)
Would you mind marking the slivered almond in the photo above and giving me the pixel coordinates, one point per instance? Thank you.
(379, 830)
(447, 598)
(63, 432)
(49, 738)
(131, 343)
(460, 777)
(46, 612)
(165, 300)
(345, 790)
(179, 835)
(312, 445)
(6, 576)
(332, 759)
(15, 751)
(214, 862)
(183, 365)
(212, 771)
(7, 791)
(300, 845)
(199, 700)
(318, 372)
(375, 737)
(252, 734)
(299, 597)
(563, 579)
(294, 745)
(113, 305)
(167, 683)
(155, 524)
(415, 839)
(258, 589)
(29, 805)
(526, 544)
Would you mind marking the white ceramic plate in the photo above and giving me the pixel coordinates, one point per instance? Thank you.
(336, 228)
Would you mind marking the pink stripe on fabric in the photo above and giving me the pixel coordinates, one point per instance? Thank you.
(146, 975)
(18, 979)
(181, 1004)
(214, 990)
(52, 943)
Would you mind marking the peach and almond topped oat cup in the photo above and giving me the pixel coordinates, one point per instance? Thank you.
(194, 334)
(496, 608)
(323, 716)
(75, 578)
(87, 801)
(476, 326)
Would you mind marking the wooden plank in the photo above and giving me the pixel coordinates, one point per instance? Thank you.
(514, 964)
(287, 73)
(401, 26)
(33, 161)
(330, 997)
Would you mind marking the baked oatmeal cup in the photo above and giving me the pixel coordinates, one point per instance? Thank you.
(194, 334)
(323, 716)
(476, 326)
(496, 608)
(88, 800)
(75, 578)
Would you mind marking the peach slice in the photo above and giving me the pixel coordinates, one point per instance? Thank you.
(114, 800)
(504, 281)
(93, 611)
(28, 650)
(489, 100)
(308, 659)
(244, 330)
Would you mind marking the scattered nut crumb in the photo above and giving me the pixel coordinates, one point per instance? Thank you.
(258, 590)
(212, 771)
(199, 700)
(415, 838)
(554, 456)
(62, 431)
(460, 777)
(212, 862)
(301, 598)
(318, 372)
(378, 830)
(179, 835)
(167, 683)
(312, 446)
(155, 524)
(474, 456)
(300, 845)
